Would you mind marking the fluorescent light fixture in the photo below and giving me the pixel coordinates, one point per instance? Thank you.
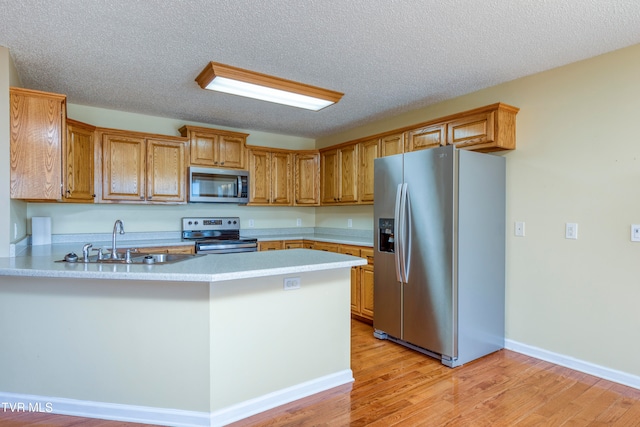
(236, 81)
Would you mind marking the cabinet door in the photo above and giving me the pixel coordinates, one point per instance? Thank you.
(78, 163)
(307, 179)
(355, 290)
(366, 291)
(281, 178)
(293, 244)
(37, 128)
(368, 151)
(181, 249)
(270, 246)
(329, 176)
(348, 174)
(204, 149)
(474, 131)
(166, 171)
(327, 247)
(259, 177)
(231, 151)
(392, 144)
(123, 168)
(425, 137)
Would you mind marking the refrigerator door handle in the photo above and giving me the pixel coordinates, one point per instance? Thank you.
(407, 242)
(396, 232)
(403, 233)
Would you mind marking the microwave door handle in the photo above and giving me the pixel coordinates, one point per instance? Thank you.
(239, 186)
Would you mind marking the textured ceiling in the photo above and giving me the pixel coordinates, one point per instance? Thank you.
(386, 56)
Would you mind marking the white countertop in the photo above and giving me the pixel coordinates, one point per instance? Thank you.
(207, 268)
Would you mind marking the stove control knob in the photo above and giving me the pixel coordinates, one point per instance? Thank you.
(228, 222)
(190, 223)
(234, 222)
(196, 223)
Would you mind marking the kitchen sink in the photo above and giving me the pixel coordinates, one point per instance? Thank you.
(145, 259)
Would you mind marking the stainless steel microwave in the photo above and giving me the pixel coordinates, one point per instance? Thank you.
(212, 185)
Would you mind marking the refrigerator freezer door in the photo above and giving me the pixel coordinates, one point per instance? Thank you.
(429, 315)
(387, 313)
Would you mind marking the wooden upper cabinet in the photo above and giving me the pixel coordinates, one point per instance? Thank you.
(425, 137)
(123, 168)
(473, 130)
(306, 168)
(348, 174)
(368, 151)
(269, 177)
(339, 175)
(78, 163)
(37, 121)
(329, 176)
(259, 177)
(392, 144)
(215, 147)
(281, 176)
(489, 130)
(166, 171)
(144, 170)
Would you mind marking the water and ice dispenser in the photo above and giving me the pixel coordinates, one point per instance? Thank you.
(386, 239)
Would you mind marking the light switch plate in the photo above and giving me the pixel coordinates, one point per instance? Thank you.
(635, 232)
(519, 229)
(571, 230)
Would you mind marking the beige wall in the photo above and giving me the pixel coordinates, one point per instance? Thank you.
(13, 213)
(577, 160)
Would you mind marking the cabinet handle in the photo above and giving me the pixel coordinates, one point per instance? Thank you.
(222, 163)
(93, 195)
(150, 197)
(141, 197)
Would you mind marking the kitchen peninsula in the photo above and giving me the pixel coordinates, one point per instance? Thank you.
(205, 341)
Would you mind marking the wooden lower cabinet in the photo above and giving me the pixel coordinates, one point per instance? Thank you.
(179, 249)
(325, 246)
(364, 310)
(273, 245)
(294, 244)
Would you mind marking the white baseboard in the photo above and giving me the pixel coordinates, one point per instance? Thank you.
(170, 417)
(251, 407)
(105, 411)
(576, 364)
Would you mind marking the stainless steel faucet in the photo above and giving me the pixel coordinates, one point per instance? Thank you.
(117, 226)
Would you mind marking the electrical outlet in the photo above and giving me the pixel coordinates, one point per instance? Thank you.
(635, 232)
(349, 223)
(251, 223)
(519, 229)
(298, 222)
(291, 283)
(571, 230)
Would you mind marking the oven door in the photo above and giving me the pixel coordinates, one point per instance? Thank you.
(226, 246)
(218, 185)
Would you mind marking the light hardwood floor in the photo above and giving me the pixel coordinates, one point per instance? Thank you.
(395, 386)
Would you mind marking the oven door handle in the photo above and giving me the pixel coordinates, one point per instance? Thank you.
(207, 246)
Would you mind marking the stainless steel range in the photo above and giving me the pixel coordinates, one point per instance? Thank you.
(217, 235)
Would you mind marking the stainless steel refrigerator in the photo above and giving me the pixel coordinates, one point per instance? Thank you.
(439, 260)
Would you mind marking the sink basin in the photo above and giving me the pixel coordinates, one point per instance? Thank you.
(161, 258)
(146, 259)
